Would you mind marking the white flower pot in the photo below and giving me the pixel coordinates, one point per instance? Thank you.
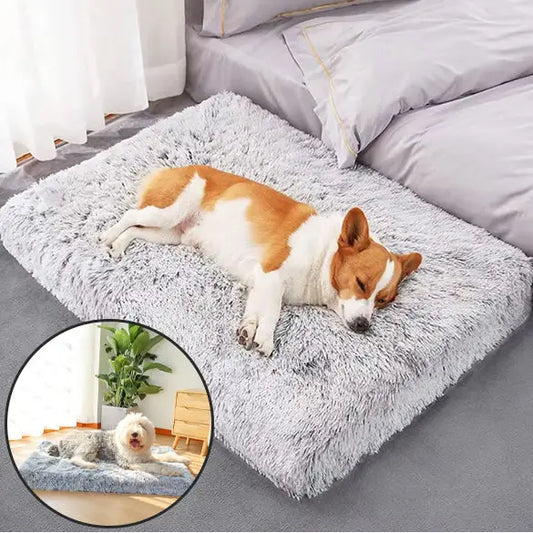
(111, 416)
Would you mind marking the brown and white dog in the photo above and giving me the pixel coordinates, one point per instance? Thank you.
(280, 248)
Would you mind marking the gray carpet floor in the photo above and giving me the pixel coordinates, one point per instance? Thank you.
(466, 464)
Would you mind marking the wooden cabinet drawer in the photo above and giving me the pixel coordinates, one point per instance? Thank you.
(189, 429)
(192, 399)
(191, 414)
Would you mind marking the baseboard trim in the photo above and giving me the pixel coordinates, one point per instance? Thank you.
(97, 425)
(93, 425)
(60, 142)
(90, 425)
(159, 431)
(61, 428)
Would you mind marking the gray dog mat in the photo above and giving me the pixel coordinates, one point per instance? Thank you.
(45, 472)
(327, 397)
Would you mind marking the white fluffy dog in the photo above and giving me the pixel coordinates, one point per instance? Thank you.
(129, 445)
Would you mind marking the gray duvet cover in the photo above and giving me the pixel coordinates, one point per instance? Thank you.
(427, 88)
(473, 157)
(256, 64)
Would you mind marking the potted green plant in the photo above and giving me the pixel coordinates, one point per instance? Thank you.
(128, 382)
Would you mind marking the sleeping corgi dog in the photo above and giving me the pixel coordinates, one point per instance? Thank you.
(281, 249)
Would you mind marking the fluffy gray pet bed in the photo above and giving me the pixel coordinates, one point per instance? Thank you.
(42, 471)
(327, 397)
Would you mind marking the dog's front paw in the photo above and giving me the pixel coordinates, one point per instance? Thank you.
(176, 471)
(246, 333)
(171, 457)
(264, 346)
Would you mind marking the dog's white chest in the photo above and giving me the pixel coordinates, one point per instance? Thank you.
(303, 271)
(224, 234)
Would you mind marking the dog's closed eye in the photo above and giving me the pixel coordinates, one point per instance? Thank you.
(361, 284)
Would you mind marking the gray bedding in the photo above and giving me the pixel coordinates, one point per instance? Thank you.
(222, 18)
(472, 156)
(367, 67)
(256, 64)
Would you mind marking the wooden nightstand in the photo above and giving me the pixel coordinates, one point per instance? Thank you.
(192, 417)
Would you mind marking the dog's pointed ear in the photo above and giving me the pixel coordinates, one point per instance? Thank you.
(354, 233)
(409, 263)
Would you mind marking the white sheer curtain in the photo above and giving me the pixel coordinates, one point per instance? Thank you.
(64, 64)
(57, 387)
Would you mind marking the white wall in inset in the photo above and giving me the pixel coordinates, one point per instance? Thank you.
(159, 408)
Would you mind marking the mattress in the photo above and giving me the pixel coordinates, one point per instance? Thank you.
(472, 156)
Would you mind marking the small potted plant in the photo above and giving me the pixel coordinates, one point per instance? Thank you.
(128, 381)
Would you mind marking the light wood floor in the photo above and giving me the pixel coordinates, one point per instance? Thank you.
(106, 509)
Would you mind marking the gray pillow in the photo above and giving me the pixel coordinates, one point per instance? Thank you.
(226, 17)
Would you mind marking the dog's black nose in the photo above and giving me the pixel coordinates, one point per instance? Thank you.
(134, 435)
(360, 324)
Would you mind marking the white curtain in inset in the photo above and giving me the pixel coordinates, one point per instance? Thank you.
(65, 64)
(57, 387)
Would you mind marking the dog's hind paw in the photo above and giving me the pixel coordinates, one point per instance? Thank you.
(106, 238)
(115, 253)
(118, 248)
(82, 463)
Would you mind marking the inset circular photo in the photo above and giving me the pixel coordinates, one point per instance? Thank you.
(109, 423)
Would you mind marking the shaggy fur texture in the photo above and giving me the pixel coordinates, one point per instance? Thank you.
(43, 471)
(129, 445)
(328, 396)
